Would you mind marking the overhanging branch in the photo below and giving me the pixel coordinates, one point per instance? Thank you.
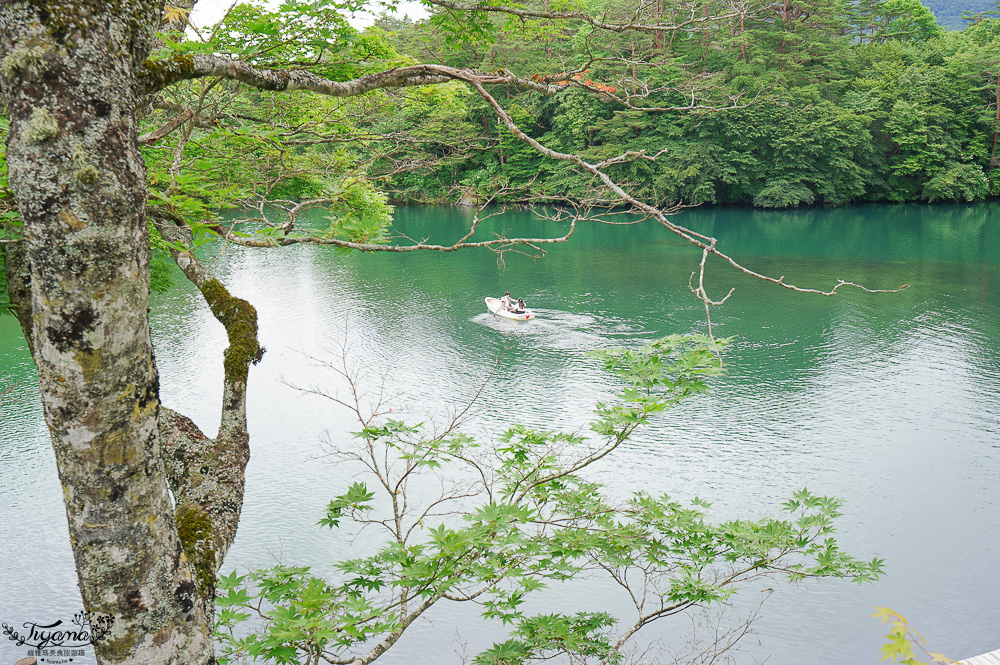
(160, 74)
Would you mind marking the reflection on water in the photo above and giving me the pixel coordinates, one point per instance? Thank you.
(889, 401)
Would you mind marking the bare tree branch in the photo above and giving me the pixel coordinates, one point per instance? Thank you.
(703, 242)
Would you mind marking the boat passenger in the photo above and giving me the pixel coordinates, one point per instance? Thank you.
(520, 306)
(507, 302)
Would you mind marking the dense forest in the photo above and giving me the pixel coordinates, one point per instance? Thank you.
(954, 14)
(779, 104)
(812, 102)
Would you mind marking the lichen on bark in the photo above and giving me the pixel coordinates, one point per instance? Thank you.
(42, 126)
(26, 61)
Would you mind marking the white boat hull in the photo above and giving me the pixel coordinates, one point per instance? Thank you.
(495, 307)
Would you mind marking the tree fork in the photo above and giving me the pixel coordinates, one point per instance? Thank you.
(207, 475)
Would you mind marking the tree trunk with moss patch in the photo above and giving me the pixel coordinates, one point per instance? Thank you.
(68, 78)
(207, 475)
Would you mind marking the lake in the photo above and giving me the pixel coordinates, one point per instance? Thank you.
(889, 401)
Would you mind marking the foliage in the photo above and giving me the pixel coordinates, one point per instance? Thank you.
(957, 182)
(360, 214)
(295, 32)
(820, 103)
(889, 117)
(522, 515)
(249, 147)
(901, 640)
(160, 263)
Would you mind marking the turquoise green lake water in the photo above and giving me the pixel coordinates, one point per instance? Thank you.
(890, 401)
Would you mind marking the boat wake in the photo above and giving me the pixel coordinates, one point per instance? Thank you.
(563, 330)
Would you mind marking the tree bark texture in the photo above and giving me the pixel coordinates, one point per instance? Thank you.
(69, 80)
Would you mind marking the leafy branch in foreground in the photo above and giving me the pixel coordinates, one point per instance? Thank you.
(492, 524)
(901, 640)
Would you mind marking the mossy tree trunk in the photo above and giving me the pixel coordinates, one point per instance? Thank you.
(68, 79)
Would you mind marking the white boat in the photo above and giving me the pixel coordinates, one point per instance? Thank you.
(494, 305)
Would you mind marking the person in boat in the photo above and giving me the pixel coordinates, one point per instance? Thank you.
(507, 303)
(520, 306)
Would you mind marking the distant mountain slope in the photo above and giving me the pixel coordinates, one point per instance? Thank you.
(949, 12)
